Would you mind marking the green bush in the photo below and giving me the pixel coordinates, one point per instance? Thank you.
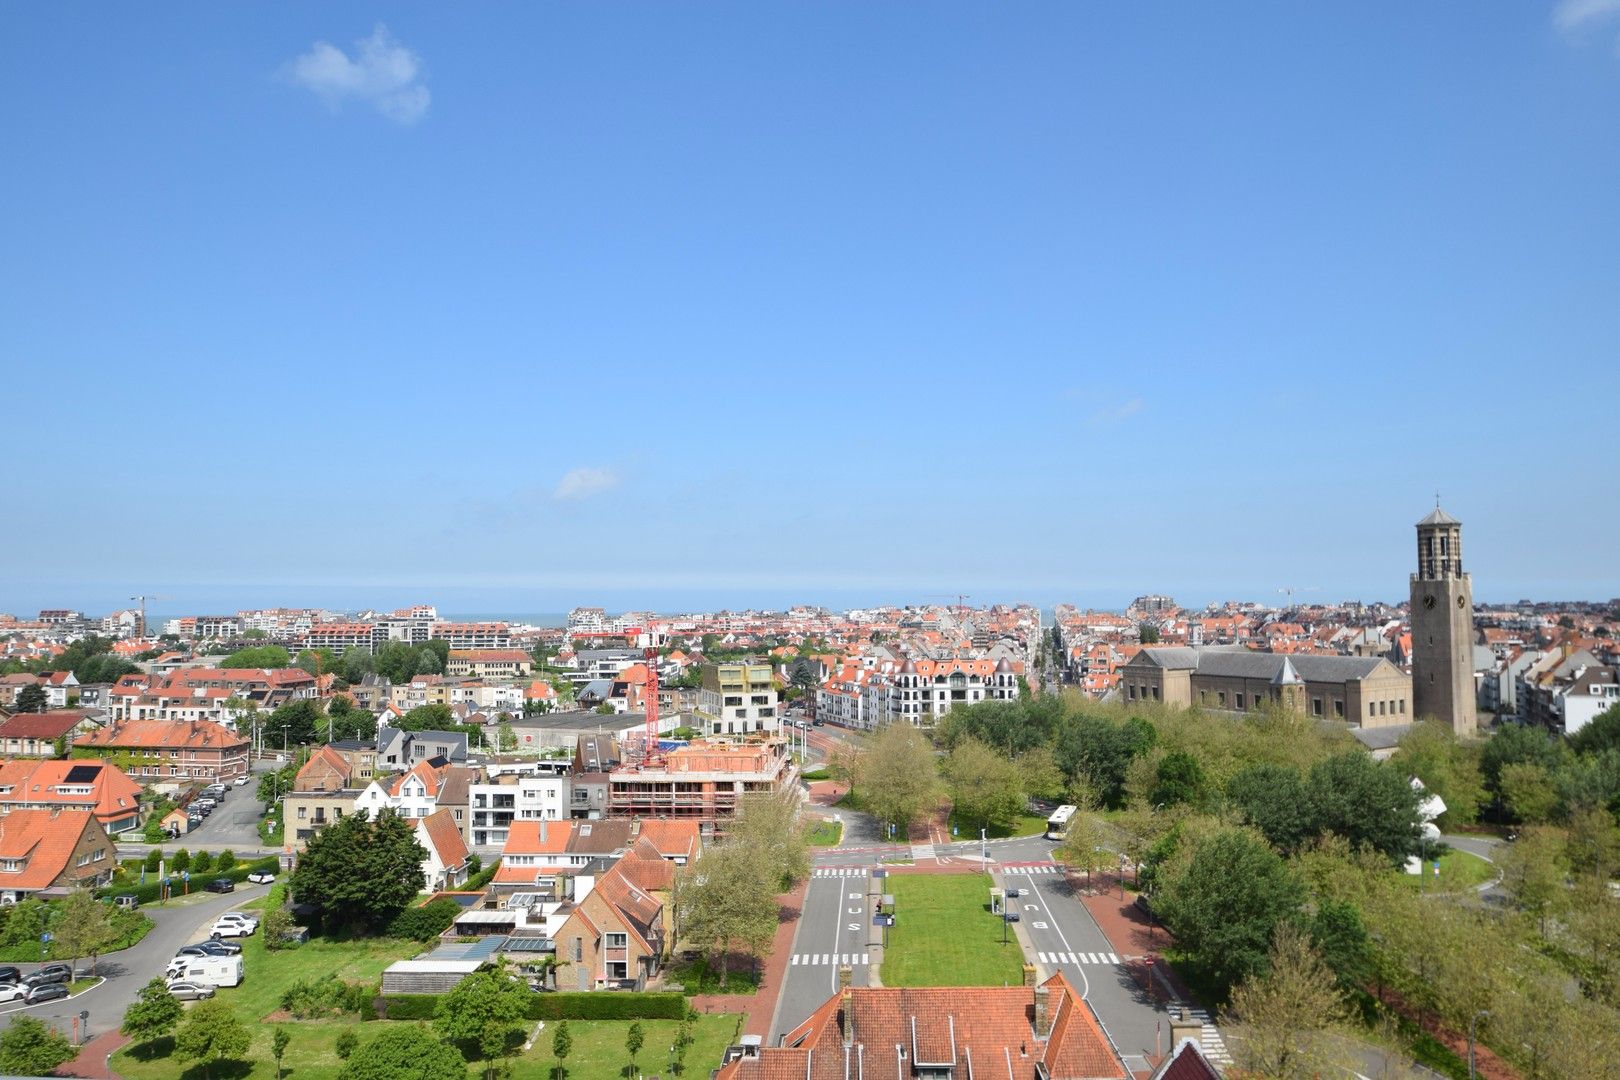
(482, 878)
(410, 1006)
(153, 859)
(424, 923)
(180, 860)
(226, 860)
(202, 862)
(325, 996)
(148, 893)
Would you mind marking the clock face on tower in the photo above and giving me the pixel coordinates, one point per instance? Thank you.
(1462, 602)
(1428, 601)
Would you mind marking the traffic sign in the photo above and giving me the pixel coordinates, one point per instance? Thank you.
(46, 937)
(880, 873)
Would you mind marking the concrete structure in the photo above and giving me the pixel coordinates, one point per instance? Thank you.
(1443, 627)
(738, 699)
(703, 781)
(490, 663)
(496, 805)
(1365, 691)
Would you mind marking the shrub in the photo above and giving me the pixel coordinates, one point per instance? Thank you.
(327, 995)
(180, 860)
(226, 860)
(202, 862)
(555, 1006)
(154, 858)
(425, 923)
(482, 879)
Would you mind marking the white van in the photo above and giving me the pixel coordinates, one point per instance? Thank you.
(214, 970)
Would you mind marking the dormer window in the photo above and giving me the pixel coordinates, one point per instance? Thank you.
(12, 866)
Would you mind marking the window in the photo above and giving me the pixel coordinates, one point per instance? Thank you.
(1155, 693)
(1338, 709)
(1316, 706)
(1372, 708)
(101, 853)
(1403, 706)
(579, 950)
(1222, 698)
(1132, 691)
(301, 813)
(1237, 699)
(617, 941)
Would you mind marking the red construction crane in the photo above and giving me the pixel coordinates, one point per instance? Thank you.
(651, 641)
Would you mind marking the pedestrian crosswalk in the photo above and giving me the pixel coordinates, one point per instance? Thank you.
(1048, 868)
(839, 871)
(1078, 958)
(920, 852)
(839, 959)
(1210, 1040)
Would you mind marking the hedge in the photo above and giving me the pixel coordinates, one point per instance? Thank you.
(148, 893)
(601, 1005)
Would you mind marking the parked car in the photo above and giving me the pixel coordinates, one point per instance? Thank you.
(238, 915)
(261, 877)
(211, 947)
(126, 901)
(12, 991)
(190, 991)
(10, 974)
(46, 992)
(50, 973)
(221, 885)
(241, 780)
(228, 929)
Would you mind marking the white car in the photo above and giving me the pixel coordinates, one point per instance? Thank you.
(12, 992)
(231, 928)
(261, 877)
(240, 780)
(239, 915)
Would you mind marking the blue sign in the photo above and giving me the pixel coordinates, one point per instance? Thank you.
(46, 937)
(880, 873)
(185, 875)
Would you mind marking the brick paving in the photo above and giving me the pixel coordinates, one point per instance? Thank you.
(92, 1060)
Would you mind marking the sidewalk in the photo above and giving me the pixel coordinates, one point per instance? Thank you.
(1130, 930)
(760, 1006)
(92, 1060)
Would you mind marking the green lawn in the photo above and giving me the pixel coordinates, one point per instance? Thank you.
(827, 833)
(1025, 825)
(1459, 870)
(944, 934)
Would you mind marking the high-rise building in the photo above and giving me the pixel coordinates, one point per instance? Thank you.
(1443, 626)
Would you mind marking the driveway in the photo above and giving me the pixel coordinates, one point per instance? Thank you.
(126, 972)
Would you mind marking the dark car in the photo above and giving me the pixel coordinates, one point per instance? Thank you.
(46, 992)
(211, 947)
(221, 884)
(10, 974)
(50, 973)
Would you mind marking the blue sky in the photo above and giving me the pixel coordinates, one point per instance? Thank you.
(521, 306)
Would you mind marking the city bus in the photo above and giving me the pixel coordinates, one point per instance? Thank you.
(1057, 826)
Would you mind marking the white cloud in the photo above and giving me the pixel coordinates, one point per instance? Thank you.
(585, 481)
(1113, 414)
(382, 73)
(1572, 14)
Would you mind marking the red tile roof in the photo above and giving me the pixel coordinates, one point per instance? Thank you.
(440, 832)
(46, 839)
(164, 734)
(45, 725)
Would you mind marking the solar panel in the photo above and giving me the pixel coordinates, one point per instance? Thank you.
(82, 774)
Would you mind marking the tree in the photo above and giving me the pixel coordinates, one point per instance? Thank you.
(304, 720)
(361, 873)
(225, 861)
(154, 859)
(894, 775)
(1518, 743)
(278, 1047)
(31, 699)
(1180, 780)
(258, 656)
(347, 1040)
(1533, 871)
(1147, 633)
(427, 718)
(1527, 792)
(82, 927)
(277, 921)
(180, 860)
(1366, 802)
(153, 1015)
(202, 862)
(1340, 937)
(403, 1052)
(1224, 903)
(775, 834)
(561, 1043)
(1448, 768)
(986, 787)
(29, 1048)
(1272, 799)
(725, 898)
(484, 1013)
(211, 1032)
(1084, 846)
(1283, 1018)
(505, 737)
(633, 1041)
(684, 1038)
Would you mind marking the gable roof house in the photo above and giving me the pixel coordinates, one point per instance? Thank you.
(399, 750)
(35, 734)
(46, 853)
(612, 939)
(94, 786)
(1044, 1032)
(539, 856)
(157, 749)
(446, 864)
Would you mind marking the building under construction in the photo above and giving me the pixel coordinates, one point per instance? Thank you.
(701, 781)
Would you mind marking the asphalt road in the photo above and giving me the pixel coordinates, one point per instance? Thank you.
(126, 972)
(834, 928)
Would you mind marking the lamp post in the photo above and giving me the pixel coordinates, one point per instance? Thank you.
(1473, 1027)
(1122, 875)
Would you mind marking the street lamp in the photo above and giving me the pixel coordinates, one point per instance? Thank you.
(1473, 1026)
(1122, 875)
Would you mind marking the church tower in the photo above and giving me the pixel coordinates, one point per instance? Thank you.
(1443, 626)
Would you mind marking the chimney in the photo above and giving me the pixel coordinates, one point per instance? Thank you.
(1043, 1016)
(1029, 976)
(542, 830)
(846, 1009)
(1184, 1028)
(846, 976)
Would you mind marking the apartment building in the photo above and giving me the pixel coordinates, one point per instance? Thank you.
(496, 804)
(925, 690)
(35, 734)
(490, 663)
(739, 699)
(165, 750)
